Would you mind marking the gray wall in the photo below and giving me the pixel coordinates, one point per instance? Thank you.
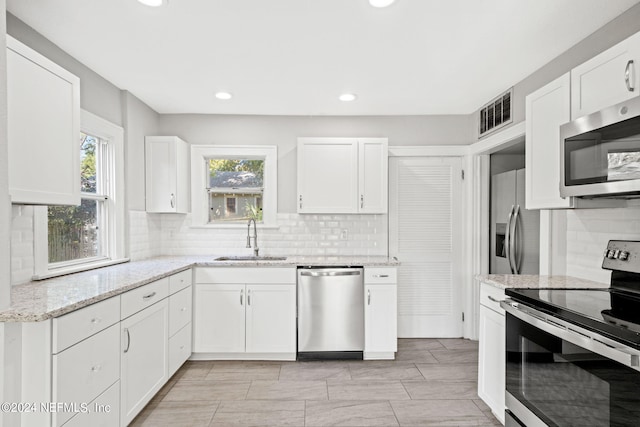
(610, 34)
(5, 205)
(283, 132)
(97, 95)
(139, 121)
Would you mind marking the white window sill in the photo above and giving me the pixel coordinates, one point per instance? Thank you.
(78, 268)
(235, 226)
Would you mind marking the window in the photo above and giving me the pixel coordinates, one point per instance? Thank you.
(74, 238)
(238, 184)
(236, 188)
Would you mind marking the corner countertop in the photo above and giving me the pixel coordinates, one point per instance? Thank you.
(45, 299)
(504, 281)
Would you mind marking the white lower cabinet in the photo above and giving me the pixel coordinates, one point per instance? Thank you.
(270, 322)
(245, 313)
(380, 313)
(491, 357)
(84, 371)
(144, 358)
(104, 411)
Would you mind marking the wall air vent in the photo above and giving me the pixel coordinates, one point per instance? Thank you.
(496, 114)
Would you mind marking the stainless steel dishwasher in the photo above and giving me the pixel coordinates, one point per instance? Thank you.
(330, 313)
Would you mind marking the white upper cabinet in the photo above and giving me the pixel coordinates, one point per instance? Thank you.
(606, 79)
(546, 109)
(167, 174)
(342, 175)
(43, 120)
(373, 175)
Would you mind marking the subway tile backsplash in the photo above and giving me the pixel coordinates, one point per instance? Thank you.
(312, 235)
(589, 231)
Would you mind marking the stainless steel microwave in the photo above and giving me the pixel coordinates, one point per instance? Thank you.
(600, 153)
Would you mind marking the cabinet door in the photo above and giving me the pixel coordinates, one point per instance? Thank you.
(271, 319)
(491, 361)
(609, 78)
(43, 123)
(166, 174)
(380, 319)
(373, 175)
(219, 319)
(144, 358)
(327, 175)
(546, 109)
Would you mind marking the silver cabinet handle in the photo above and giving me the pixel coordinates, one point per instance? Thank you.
(368, 296)
(493, 299)
(96, 320)
(301, 201)
(249, 297)
(329, 273)
(381, 275)
(362, 201)
(241, 293)
(629, 76)
(173, 200)
(149, 296)
(128, 340)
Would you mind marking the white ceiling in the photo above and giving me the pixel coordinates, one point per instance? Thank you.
(294, 57)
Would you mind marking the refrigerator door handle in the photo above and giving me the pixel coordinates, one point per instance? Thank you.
(513, 250)
(507, 238)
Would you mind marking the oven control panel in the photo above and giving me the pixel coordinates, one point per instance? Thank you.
(623, 255)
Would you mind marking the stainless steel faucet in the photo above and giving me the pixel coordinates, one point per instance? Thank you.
(255, 236)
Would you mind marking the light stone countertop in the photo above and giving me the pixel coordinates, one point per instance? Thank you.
(504, 281)
(45, 299)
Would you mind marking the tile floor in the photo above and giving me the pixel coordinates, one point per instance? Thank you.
(433, 382)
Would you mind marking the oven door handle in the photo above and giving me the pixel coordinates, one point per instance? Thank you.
(574, 334)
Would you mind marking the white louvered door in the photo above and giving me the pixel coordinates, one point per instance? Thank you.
(425, 233)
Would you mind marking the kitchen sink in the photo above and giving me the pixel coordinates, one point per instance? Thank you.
(251, 258)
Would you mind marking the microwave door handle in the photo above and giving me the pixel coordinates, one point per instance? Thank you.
(514, 241)
(629, 75)
(507, 239)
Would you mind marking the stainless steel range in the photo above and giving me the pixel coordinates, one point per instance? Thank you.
(573, 355)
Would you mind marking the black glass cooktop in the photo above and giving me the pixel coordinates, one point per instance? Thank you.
(611, 312)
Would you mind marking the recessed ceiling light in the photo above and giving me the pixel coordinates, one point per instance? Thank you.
(347, 97)
(224, 95)
(380, 3)
(153, 3)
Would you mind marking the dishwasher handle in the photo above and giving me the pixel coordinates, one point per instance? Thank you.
(330, 273)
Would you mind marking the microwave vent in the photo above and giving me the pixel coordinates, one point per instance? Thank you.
(496, 114)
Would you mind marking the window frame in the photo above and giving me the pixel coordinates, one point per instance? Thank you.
(200, 181)
(113, 240)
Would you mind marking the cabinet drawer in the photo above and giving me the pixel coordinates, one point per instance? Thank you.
(144, 296)
(82, 372)
(104, 411)
(247, 275)
(80, 324)
(490, 297)
(179, 348)
(374, 275)
(180, 310)
(180, 281)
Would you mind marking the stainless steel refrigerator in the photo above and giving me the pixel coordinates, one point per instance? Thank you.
(515, 231)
